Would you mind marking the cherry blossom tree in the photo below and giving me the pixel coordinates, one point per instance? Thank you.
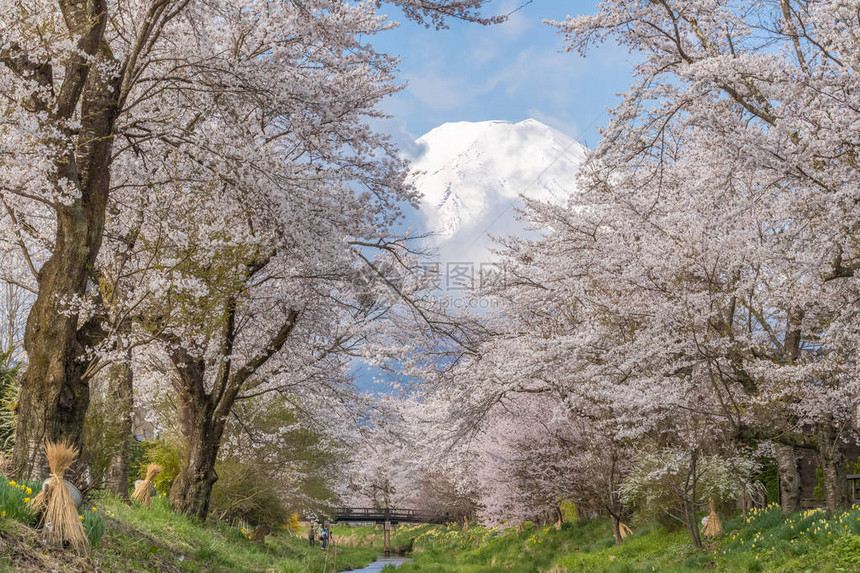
(733, 153)
(382, 470)
(103, 100)
(698, 289)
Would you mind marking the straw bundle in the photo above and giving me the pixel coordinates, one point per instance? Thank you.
(39, 502)
(142, 491)
(714, 526)
(625, 531)
(61, 523)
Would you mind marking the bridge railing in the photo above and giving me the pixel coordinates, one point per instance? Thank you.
(387, 514)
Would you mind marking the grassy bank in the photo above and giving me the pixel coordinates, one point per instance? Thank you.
(130, 538)
(768, 541)
(401, 541)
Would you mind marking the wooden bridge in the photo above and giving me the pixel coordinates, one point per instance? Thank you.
(386, 515)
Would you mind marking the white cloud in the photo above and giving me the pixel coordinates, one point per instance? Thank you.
(439, 93)
(396, 129)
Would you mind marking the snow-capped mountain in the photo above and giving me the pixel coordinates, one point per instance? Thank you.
(472, 175)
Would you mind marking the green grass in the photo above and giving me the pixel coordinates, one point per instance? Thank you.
(165, 536)
(128, 537)
(401, 540)
(767, 542)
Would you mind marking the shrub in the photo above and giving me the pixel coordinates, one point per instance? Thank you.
(103, 439)
(243, 493)
(569, 511)
(272, 464)
(168, 453)
(768, 476)
(818, 492)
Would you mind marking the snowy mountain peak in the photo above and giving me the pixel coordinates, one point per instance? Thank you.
(471, 172)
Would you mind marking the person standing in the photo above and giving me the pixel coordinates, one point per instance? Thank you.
(311, 534)
(324, 537)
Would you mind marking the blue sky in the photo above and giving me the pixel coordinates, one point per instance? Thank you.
(510, 71)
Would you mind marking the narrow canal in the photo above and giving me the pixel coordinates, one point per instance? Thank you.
(380, 564)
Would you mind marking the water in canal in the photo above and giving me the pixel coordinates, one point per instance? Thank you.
(378, 565)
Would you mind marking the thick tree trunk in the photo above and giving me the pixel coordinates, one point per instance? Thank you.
(835, 483)
(202, 414)
(789, 478)
(54, 398)
(831, 457)
(121, 394)
(54, 394)
(192, 489)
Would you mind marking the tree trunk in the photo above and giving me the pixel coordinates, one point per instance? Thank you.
(835, 483)
(789, 478)
(54, 398)
(192, 489)
(688, 500)
(616, 530)
(121, 390)
(202, 429)
(831, 457)
(202, 414)
(692, 523)
(54, 394)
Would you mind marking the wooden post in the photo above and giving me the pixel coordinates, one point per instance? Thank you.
(854, 478)
(387, 537)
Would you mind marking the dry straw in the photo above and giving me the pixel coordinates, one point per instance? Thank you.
(141, 492)
(625, 531)
(38, 503)
(714, 526)
(61, 522)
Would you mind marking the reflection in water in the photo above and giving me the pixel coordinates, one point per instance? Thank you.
(377, 565)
